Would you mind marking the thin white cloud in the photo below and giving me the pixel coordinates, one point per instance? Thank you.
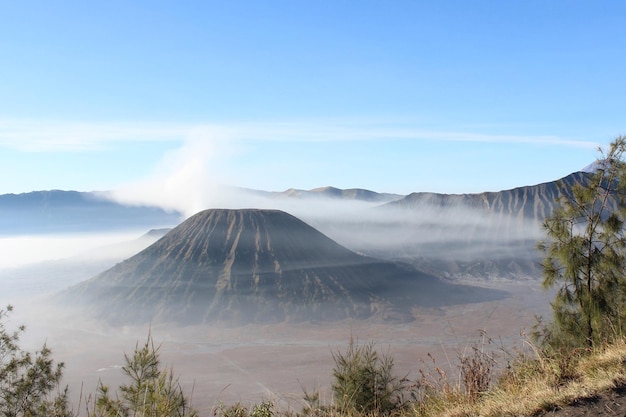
(324, 131)
(47, 136)
(531, 140)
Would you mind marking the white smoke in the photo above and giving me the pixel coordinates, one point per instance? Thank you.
(187, 179)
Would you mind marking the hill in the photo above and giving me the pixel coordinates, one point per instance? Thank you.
(242, 266)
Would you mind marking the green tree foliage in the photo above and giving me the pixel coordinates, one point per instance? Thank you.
(151, 391)
(585, 256)
(29, 382)
(364, 381)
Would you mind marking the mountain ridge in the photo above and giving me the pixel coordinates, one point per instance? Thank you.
(543, 197)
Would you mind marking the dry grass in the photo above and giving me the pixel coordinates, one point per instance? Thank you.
(536, 384)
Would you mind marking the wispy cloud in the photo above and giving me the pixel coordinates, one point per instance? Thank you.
(47, 136)
(324, 131)
(51, 136)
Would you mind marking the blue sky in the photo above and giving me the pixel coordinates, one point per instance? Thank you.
(395, 96)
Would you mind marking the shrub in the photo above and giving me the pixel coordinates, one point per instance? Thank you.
(265, 409)
(235, 410)
(364, 381)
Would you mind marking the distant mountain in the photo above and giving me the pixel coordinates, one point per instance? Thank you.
(347, 194)
(491, 235)
(258, 266)
(356, 194)
(534, 202)
(71, 211)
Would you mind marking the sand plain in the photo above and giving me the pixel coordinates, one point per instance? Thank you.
(252, 363)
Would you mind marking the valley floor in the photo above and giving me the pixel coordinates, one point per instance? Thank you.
(275, 362)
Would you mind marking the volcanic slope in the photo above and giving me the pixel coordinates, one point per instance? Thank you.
(243, 266)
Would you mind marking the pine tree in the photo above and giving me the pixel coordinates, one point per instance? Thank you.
(585, 255)
(152, 391)
(29, 382)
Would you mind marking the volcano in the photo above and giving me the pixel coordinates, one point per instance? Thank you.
(256, 266)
